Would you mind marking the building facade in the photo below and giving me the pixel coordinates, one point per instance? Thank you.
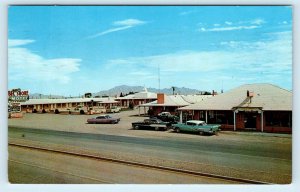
(256, 107)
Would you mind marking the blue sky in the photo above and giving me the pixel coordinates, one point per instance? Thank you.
(70, 50)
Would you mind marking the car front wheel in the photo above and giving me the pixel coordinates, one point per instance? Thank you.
(177, 130)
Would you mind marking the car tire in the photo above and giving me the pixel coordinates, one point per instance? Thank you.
(136, 127)
(156, 128)
(201, 133)
(177, 130)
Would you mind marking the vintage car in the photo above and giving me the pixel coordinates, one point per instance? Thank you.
(167, 117)
(152, 123)
(113, 109)
(103, 119)
(196, 126)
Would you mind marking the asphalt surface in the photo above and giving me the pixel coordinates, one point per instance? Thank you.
(260, 158)
(69, 169)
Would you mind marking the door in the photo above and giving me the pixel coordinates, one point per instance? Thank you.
(250, 120)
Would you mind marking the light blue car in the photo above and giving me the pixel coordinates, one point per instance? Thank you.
(196, 126)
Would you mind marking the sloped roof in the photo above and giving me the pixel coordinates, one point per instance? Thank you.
(69, 100)
(140, 95)
(176, 100)
(195, 98)
(265, 96)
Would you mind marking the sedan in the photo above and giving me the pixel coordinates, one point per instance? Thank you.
(103, 119)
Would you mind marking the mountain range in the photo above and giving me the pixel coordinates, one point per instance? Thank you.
(125, 89)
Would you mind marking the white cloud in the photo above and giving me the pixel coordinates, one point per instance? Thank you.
(129, 22)
(122, 25)
(243, 59)
(257, 22)
(230, 26)
(26, 65)
(283, 23)
(19, 42)
(109, 31)
(202, 29)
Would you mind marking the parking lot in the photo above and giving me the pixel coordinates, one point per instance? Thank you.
(78, 123)
(228, 153)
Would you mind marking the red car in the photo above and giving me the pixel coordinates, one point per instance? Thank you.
(103, 119)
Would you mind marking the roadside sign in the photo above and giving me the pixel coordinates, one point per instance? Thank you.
(14, 107)
(18, 95)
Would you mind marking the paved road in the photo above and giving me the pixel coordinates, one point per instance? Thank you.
(261, 159)
(27, 166)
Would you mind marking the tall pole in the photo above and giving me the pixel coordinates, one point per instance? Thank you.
(158, 77)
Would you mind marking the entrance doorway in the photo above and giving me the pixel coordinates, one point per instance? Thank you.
(250, 120)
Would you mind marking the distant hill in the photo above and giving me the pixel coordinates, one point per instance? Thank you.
(125, 89)
(41, 96)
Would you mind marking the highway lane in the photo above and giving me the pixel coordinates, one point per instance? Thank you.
(268, 161)
(32, 166)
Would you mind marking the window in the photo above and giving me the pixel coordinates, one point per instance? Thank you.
(190, 123)
(278, 118)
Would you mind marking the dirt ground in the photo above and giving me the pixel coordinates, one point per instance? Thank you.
(77, 123)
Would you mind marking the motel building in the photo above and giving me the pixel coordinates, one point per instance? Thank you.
(69, 104)
(137, 98)
(252, 107)
(171, 103)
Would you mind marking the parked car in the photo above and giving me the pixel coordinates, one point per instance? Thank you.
(167, 117)
(99, 109)
(196, 126)
(152, 123)
(113, 109)
(103, 119)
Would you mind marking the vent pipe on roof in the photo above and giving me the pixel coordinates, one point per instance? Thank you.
(250, 93)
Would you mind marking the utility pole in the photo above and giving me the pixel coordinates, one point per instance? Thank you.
(173, 89)
(158, 77)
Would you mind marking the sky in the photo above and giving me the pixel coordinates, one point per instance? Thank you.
(71, 50)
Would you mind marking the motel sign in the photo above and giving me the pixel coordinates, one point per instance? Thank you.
(18, 95)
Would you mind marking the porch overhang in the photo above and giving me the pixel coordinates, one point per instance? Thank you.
(247, 109)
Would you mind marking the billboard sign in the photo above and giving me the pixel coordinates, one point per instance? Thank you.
(18, 95)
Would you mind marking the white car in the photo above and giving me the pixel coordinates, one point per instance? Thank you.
(113, 109)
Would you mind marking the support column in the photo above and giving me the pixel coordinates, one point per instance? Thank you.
(206, 117)
(234, 124)
(139, 111)
(180, 117)
(262, 121)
